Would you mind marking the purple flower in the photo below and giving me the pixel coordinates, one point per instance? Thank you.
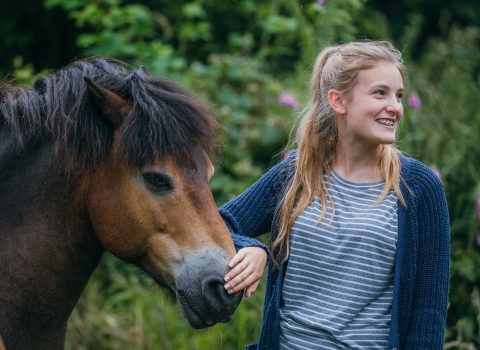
(478, 208)
(320, 2)
(436, 171)
(287, 99)
(414, 101)
(478, 239)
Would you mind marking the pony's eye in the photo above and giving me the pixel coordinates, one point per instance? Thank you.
(157, 182)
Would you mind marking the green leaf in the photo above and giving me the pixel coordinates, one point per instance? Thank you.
(279, 24)
(193, 10)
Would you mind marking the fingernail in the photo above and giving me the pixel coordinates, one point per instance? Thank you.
(227, 286)
(248, 296)
(227, 278)
(230, 264)
(230, 291)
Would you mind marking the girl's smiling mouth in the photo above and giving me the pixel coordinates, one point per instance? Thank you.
(387, 122)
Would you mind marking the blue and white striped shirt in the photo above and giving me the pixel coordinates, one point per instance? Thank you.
(338, 287)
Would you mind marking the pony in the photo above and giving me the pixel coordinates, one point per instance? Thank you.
(97, 156)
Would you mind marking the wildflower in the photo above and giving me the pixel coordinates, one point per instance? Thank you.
(320, 2)
(436, 171)
(414, 101)
(285, 155)
(287, 99)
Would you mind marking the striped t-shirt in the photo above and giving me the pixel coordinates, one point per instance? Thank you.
(338, 287)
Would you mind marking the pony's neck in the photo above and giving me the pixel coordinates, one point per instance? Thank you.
(48, 250)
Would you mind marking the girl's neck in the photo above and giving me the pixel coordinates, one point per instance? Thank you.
(358, 165)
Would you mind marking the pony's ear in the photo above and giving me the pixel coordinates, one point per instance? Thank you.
(113, 107)
(145, 71)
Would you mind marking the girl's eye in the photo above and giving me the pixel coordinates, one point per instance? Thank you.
(157, 182)
(400, 96)
(379, 92)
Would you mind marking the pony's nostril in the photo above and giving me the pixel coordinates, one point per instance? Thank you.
(213, 286)
(216, 295)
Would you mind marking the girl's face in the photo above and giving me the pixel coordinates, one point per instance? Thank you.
(373, 107)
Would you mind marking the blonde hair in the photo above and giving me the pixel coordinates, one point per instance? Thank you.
(336, 67)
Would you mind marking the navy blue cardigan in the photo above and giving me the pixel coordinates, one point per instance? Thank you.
(421, 274)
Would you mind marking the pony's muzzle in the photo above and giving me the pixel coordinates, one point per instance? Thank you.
(204, 301)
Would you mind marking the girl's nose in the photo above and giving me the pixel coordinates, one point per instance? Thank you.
(394, 105)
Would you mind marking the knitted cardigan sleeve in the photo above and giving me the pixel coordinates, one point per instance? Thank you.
(251, 213)
(430, 296)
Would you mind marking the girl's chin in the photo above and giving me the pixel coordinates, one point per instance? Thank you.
(383, 141)
(388, 142)
(387, 137)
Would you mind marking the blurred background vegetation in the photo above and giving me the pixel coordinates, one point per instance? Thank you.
(251, 60)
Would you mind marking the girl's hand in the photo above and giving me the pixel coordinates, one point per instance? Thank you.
(247, 270)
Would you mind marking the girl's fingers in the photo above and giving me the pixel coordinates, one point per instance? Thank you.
(239, 268)
(237, 280)
(237, 258)
(247, 270)
(248, 277)
(238, 263)
(231, 288)
(251, 289)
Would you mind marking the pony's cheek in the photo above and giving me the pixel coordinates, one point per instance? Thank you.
(122, 235)
(136, 222)
(112, 225)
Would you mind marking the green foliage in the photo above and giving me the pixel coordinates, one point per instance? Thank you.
(256, 126)
(23, 74)
(127, 32)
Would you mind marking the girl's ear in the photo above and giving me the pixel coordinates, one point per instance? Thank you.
(336, 101)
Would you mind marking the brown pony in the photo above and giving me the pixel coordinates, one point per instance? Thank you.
(97, 157)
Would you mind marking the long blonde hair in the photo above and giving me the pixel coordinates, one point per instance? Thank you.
(336, 67)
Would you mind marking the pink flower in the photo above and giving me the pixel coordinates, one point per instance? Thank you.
(287, 99)
(414, 101)
(320, 2)
(478, 208)
(436, 171)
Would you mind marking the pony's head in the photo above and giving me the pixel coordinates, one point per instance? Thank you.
(140, 147)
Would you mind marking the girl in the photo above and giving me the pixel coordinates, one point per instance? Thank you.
(360, 233)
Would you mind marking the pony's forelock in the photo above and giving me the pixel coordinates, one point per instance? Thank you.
(165, 118)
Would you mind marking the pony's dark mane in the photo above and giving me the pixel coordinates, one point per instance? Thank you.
(165, 119)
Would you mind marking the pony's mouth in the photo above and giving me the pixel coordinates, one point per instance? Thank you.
(186, 306)
(167, 291)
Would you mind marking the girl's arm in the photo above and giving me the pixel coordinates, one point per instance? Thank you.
(428, 317)
(250, 215)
